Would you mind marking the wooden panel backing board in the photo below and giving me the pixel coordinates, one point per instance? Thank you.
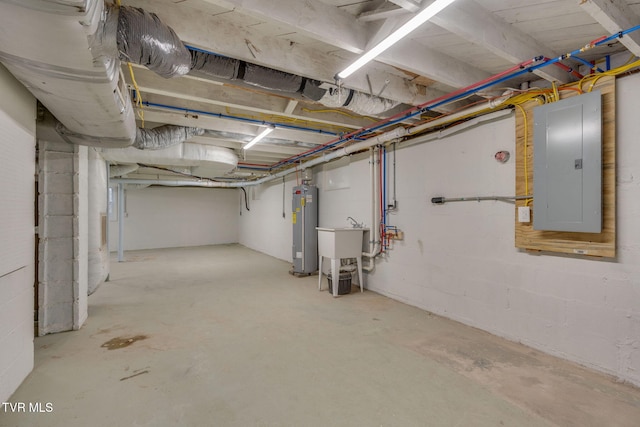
(590, 244)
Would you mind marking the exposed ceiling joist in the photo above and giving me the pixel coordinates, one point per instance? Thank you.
(351, 35)
(432, 64)
(230, 40)
(290, 106)
(237, 99)
(386, 29)
(408, 5)
(614, 16)
(385, 11)
(180, 119)
(461, 46)
(266, 149)
(469, 20)
(324, 22)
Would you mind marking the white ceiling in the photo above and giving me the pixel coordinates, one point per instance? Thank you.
(467, 42)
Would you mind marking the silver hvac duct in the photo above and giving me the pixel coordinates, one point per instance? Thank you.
(164, 136)
(69, 58)
(398, 133)
(216, 67)
(46, 45)
(143, 39)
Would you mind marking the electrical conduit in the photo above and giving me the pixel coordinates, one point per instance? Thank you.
(515, 71)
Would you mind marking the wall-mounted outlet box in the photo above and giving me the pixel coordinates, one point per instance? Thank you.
(524, 214)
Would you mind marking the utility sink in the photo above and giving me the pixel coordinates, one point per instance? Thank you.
(340, 242)
(336, 243)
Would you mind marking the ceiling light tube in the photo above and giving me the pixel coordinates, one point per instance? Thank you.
(419, 19)
(258, 138)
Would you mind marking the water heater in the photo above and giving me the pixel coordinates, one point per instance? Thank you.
(304, 216)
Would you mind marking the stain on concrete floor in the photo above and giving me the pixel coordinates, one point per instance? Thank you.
(122, 342)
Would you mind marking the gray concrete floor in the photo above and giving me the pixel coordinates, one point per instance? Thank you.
(224, 336)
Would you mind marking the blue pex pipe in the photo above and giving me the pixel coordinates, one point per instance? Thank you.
(241, 119)
(197, 49)
(384, 187)
(544, 63)
(363, 132)
(588, 64)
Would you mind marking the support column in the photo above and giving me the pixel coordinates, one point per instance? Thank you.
(120, 222)
(63, 248)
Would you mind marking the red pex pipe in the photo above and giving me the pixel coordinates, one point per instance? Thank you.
(418, 107)
(520, 66)
(565, 68)
(381, 226)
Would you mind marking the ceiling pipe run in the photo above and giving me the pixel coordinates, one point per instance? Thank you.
(524, 67)
(341, 152)
(395, 134)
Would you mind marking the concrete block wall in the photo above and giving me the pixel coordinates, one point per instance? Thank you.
(63, 248)
(459, 260)
(17, 233)
(166, 217)
(98, 252)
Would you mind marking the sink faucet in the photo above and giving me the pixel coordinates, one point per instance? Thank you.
(354, 223)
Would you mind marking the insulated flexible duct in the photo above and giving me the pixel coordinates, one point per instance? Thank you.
(312, 90)
(209, 65)
(357, 102)
(206, 65)
(143, 39)
(164, 136)
(268, 78)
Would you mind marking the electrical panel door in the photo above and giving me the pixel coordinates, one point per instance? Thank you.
(567, 179)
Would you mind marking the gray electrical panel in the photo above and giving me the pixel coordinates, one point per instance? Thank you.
(567, 178)
(304, 216)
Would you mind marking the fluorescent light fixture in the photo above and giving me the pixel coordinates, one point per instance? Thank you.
(258, 138)
(422, 17)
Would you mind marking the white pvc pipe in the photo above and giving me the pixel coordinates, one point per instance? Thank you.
(341, 152)
(120, 222)
(466, 112)
(372, 177)
(450, 131)
(375, 245)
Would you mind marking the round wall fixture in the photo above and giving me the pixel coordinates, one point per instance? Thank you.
(502, 156)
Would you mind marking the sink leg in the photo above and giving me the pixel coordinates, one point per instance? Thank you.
(335, 275)
(320, 273)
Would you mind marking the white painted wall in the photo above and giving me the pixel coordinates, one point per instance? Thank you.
(263, 228)
(166, 217)
(98, 256)
(459, 259)
(17, 169)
